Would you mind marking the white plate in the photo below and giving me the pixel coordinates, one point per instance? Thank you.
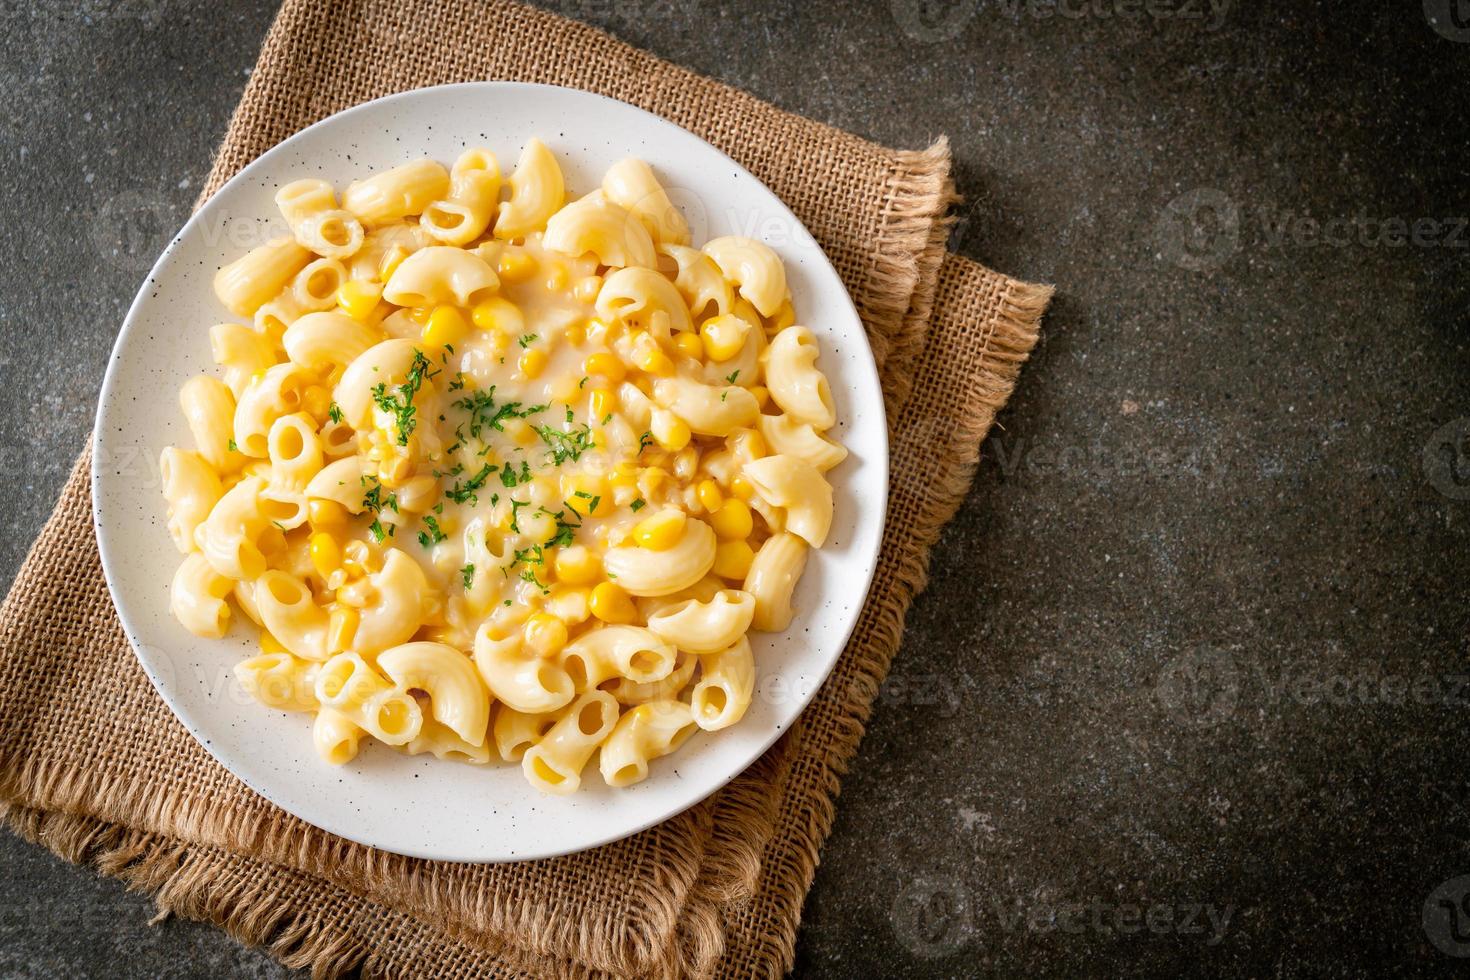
(421, 806)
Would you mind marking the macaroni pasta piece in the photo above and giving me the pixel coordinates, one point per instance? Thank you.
(501, 472)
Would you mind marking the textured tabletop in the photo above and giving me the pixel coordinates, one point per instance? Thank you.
(1187, 690)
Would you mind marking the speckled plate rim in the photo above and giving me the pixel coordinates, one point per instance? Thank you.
(126, 528)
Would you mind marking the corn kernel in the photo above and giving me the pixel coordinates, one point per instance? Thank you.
(652, 480)
(357, 558)
(762, 395)
(327, 514)
(556, 277)
(577, 565)
(576, 334)
(661, 531)
(269, 644)
(748, 443)
(669, 430)
(516, 266)
(650, 359)
(326, 554)
(601, 403)
(392, 259)
(520, 432)
(359, 299)
(690, 345)
(710, 497)
(532, 363)
(785, 316)
(499, 313)
(342, 626)
(545, 634)
(742, 488)
(732, 559)
(723, 336)
(732, 521)
(316, 401)
(606, 365)
(587, 288)
(587, 494)
(611, 604)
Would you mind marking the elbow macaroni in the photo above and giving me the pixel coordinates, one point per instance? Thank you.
(502, 477)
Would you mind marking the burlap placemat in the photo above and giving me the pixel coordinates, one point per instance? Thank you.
(94, 766)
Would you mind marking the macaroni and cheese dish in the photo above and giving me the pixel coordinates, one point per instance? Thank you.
(501, 473)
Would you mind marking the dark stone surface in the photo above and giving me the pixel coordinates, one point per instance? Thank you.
(1195, 643)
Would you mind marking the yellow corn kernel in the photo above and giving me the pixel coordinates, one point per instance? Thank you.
(342, 628)
(648, 357)
(316, 401)
(358, 299)
(327, 514)
(532, 363)
(545, 634)
(732, 559)
(578, 565)
(652, 480)
(581, 489)
(563, 388)
(671, 431)
(742, 488)
(661, 531)
(601, 403)
(690, 345)
(732, 521)
(587, 288)
(269, 644)
(357, 558)
(520, 432)
(556, 276)
(326, 554)
(711, 498)
(606, 365)
(748, 443)
(762, 395)
(391, 261)
(515, 266)
(499, 313)
(611, 604)
(723, 336)
(576, 334)
(625, 477)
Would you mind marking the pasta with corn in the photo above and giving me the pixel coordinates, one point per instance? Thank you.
(499, 471)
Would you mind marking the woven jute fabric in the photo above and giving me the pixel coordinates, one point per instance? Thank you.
(94, 766)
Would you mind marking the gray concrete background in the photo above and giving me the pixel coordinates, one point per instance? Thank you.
(1185, 692)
